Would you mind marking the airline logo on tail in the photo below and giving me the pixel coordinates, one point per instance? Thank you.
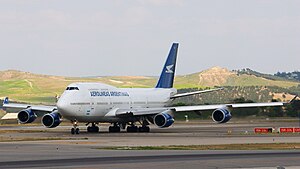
(169, 69)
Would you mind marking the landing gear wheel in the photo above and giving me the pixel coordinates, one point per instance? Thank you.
(72, 131)
(144, 129)
(114, 129)
(93, 129)
(96, 129)
(132, 129)
(77, 131)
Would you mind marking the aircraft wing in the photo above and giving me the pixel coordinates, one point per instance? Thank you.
(33, 107)
(153, 111)
(194, 93)
(39, 108)
(237, 105)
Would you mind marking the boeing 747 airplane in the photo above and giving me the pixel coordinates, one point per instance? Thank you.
(124, 108)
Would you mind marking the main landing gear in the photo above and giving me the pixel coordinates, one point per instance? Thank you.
(143, 129)
(93, 128)
(114, 129)
(75, 130)
(134, 129)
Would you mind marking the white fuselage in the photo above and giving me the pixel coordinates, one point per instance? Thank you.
(96, 102)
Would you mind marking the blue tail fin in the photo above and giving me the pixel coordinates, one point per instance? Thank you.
(6, 101)
(167, 75)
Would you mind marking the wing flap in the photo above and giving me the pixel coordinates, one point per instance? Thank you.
(244, 105)
(153, 111)
(198, 108)
(194, 93)
(238, 105)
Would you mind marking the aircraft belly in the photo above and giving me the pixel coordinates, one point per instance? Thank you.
(94, 119)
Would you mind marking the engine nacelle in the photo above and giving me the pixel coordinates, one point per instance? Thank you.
(221, 115)
(164, 119)
(51, 120)
(26, 116)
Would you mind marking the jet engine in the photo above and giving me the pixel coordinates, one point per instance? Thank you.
(221, 115)
(164, 119)
(51, 120)
(26, 116)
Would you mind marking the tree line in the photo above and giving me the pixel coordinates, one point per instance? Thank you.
(289, 75)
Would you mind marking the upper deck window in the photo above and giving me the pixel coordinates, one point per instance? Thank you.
(72, 88)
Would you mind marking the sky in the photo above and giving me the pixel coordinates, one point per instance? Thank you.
(133, 37)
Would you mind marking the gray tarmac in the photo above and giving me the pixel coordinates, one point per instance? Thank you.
(57, 148)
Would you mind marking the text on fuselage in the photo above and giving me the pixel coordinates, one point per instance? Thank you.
(107, 93)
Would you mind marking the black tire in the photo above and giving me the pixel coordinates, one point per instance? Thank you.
(145, 129)
(72, 131)
(77, 131)
(132, 129)
(96, 129)
(89, 129)
(117, 129)
(110, 129)
(114, 129)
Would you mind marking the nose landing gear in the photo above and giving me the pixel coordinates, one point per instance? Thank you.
(75, 130)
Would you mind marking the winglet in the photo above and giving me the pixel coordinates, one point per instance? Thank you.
(293, 99)
(6, 101)
(167, 75)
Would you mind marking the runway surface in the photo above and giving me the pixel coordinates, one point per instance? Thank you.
(171, 159)
(57, 148)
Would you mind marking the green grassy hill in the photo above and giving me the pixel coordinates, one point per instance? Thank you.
(218, 76)
(28, 87)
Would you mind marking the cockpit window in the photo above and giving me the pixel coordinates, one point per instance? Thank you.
(72, 88)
